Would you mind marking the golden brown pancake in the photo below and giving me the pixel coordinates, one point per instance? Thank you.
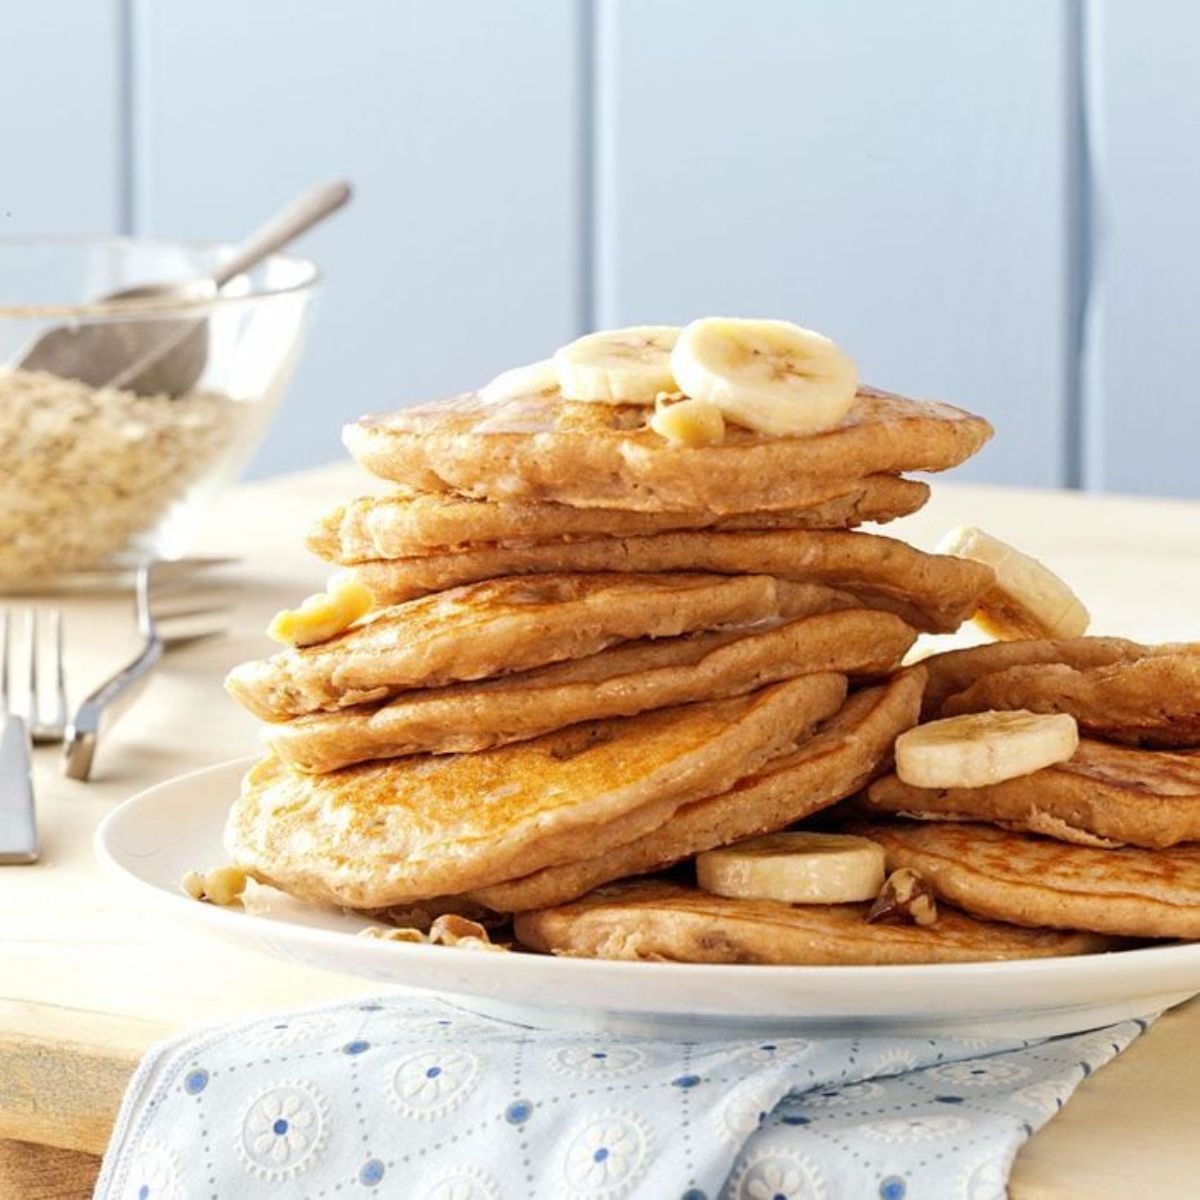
(497, 627)
(929, 591)
(665, 921)
(1038, 882)
(1103, 794)
(406, 829)
(841, 756)
(409, 526)
(541, 447)
(1151, 702)
(957, 670)
(624, 679)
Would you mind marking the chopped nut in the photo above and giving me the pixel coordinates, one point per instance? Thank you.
(474, 943)
(392, 935)
(690, 423)
(224, 885)
(193, 884)
(422, 915)
(449, 929)
(905, 896)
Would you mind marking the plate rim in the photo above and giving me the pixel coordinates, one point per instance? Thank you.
(1060, 966)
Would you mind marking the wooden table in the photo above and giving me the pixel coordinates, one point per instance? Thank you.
(89, 977)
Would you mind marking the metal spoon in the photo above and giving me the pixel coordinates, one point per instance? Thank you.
(155, 357)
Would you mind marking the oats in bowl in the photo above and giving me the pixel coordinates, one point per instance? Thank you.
(84, 471)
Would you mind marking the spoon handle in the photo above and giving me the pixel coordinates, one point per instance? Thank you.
(302, 214)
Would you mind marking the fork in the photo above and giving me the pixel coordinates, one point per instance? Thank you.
(18, 824)
(111, 698)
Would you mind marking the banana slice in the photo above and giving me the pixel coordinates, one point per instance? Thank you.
(1028, 600)
(688, 423)
(984, 748)
(797, 868)
(771, 376)
(618, 366)
(539, 378)
(324, 615)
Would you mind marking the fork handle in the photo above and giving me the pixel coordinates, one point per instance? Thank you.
(105, 704)
(18, 828)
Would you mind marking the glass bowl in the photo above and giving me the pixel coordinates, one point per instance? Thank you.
(96, 478)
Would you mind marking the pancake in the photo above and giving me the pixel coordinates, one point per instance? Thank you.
(1103, 794)
(956, 670)
(930, 591)
(409, 526)
(541, 447)
(1150, 702)
(1038, 882)
(617, 682)
(842, 755)
(663, 921)
(381, 834)
(495, 628)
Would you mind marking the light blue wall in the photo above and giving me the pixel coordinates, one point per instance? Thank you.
(994, 204)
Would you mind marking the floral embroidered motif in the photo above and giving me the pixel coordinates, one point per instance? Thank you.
(283, 1131)
(746, 1110)
(287, 1030)
(970, 1043)
(778, 1174)
(605, 1158)
(609, 1061)
(980, 1073)
(849, 1093)
(893, 1062)
(154, 1174)
(466, 1183)
(433, 1083)
(913, 1129)
(457, 1028)
(1046, 1096)
(783, 1050)
(988, 1180)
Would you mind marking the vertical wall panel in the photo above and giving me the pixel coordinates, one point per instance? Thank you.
(897, 175)
(1143, 393)
(458, 124)
(60, 117)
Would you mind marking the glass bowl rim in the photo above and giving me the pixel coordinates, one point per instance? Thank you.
(156, 306)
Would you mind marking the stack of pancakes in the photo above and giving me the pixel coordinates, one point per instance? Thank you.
(1108, 841)
(593, 652)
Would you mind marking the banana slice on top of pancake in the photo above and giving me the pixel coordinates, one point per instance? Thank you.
(795, 867)
(618, 366)
(981, 749)
(773, 377)
(770, 376)
(533, 379)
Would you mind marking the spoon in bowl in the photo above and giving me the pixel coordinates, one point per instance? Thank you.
(152, 356)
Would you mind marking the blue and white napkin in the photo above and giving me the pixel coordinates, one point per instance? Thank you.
(405, 1097)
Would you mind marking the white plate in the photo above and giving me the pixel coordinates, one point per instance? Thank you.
(152, 839)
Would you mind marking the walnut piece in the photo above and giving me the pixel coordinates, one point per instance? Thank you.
(905, 896)
(450, 929)
(392, 934)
